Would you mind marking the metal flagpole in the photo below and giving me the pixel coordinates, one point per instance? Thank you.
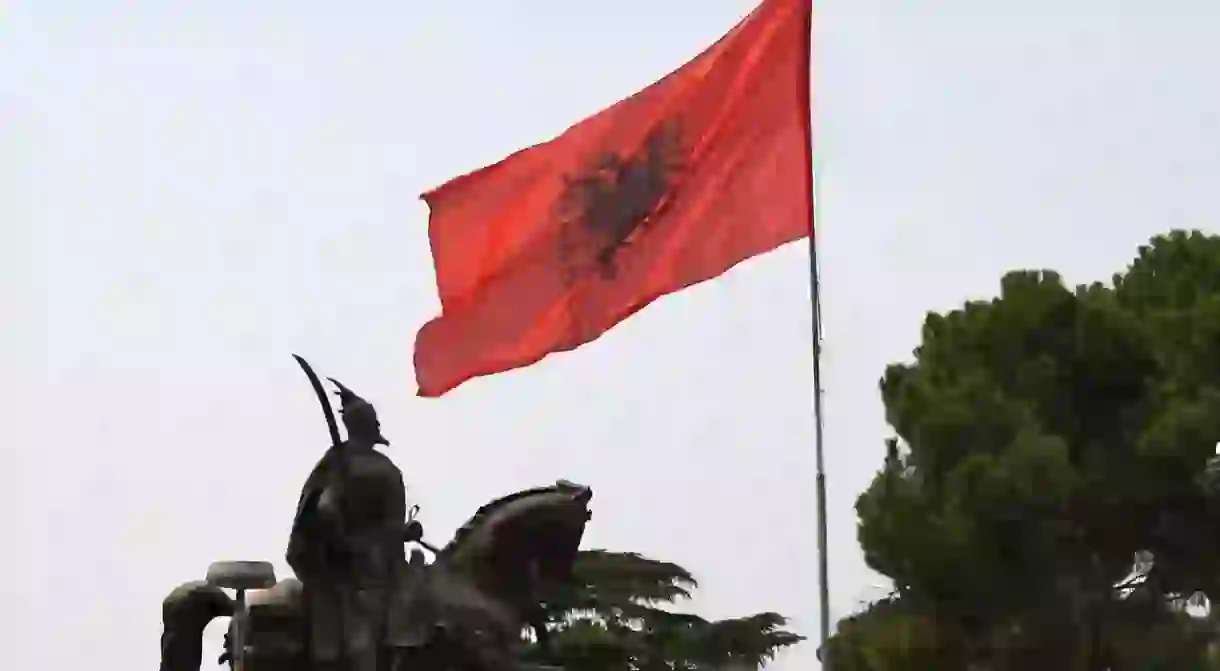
(815, 297)
(816, 301)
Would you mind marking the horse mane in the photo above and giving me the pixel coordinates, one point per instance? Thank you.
(481, 515)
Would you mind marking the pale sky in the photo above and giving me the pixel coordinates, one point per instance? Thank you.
(192, 191)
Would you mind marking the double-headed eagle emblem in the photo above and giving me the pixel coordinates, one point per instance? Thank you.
(611, 204)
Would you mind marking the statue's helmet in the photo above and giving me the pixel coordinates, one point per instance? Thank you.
(359, 416)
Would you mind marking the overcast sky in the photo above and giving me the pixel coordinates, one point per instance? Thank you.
(189, 192)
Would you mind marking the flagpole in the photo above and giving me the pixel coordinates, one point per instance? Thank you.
(815, 298)
(816, 309)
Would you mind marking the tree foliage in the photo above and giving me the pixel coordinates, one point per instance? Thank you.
(1050, 435)
(614, 618)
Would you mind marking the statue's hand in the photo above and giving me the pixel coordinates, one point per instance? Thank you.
(412, 532)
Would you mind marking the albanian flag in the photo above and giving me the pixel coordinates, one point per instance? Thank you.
(554, 245)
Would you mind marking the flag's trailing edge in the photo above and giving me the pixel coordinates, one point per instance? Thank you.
(551, 247)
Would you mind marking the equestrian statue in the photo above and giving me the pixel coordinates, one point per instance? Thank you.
(357, 602)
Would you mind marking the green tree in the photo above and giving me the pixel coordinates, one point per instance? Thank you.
(1050, 435)
(899, 635)
(614, 618)
(892, 635)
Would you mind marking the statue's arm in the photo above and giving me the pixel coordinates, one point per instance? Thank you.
(387, 485)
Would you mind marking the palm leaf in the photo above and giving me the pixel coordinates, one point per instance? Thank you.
(613, 618)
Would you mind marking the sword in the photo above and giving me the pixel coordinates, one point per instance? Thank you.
(340, 455)
(331, 425)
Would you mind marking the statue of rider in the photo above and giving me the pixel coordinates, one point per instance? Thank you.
(347, 540)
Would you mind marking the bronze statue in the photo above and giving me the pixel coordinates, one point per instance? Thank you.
(357, 604)
(347, 539)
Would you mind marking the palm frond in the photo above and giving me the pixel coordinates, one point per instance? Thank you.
(613, 618)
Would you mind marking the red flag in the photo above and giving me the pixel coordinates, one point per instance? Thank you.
(554, 245)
